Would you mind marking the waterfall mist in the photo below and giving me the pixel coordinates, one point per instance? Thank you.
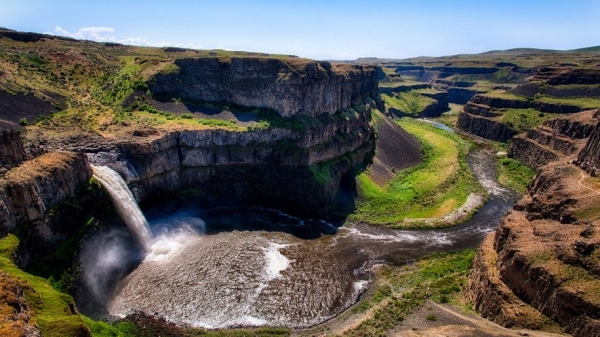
(106, 258)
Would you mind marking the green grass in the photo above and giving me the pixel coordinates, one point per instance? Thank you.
(582, 102)
(411, 103)
(439, 185)
(52, 309)
(401, 290)
(513, 174)
(104, 329)
(228, 124)
(525, 119)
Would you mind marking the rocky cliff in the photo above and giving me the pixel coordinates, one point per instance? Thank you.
(290, 87)
(301, 168)
(11, 150)
(543, 258)
(28, 191)
(484, 127)
(589, 158)
(556, 138)
(493, 117)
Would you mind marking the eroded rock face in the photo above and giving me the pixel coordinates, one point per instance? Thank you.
(28, 191)
(276, 164)
(543, 256)
(290, 87)
(479, 114)
(484, 127)
(589, 158)
(556, 138)
(16, 314)
(11, 150)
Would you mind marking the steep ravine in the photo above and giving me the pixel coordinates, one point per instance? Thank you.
(543, 258)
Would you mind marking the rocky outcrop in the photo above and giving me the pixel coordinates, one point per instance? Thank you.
(481, 110)
(276, 163)
(403, 88)
(564, 136)
(484, 127)
(544, 256)
(500, 102)
(12, 152)
(492, 298)
(576, 76)
(461, 95)
(28, 191)
(589, 158)
(544, 252)
(440, 106)
(531, 153)
(290, 86)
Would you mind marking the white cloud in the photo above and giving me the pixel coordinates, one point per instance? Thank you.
(106, 34)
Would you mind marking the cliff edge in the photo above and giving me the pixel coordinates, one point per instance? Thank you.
(543, 262)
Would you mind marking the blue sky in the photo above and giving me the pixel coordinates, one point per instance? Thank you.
(325, 29)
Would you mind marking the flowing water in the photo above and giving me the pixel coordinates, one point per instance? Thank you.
(125, 205)
(247, 267)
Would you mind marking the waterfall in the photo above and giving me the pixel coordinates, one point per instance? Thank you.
(125, 204)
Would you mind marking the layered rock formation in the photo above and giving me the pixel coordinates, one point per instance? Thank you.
(543, 258)
(12, 152)
(290, 87)
(276, 164)
(589, 158)
(28, 191)
(554, 139)
(482, 115)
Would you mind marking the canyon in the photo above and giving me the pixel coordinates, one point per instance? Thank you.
(245, 165)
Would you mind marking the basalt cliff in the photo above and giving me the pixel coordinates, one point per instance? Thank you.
(299, 165)
(292, 87)
(542, 263)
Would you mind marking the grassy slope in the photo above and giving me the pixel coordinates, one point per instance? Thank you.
(514, 175)
(93, 79)
(410, 103)
(439, 185)
(51, 308)
(401, 290)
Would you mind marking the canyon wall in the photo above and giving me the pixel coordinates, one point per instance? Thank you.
(291, 87)
(589, 158)
(28, 191)
(12, 152)
(561, 137)
(483, 115)
(300, 168)
(543, 258)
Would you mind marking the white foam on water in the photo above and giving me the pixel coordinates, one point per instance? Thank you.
(276, 262)
(169, 243)
(434, 239)
(360, 286)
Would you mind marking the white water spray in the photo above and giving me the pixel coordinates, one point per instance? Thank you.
(126, 205)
